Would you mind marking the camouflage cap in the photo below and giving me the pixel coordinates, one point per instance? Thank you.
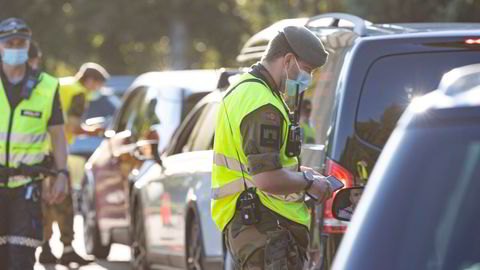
(306, 45)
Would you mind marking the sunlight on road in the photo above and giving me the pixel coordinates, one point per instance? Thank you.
(118, 258)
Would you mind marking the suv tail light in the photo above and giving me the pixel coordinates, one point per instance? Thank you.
(330, 224)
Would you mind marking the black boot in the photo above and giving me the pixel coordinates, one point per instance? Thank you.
(46, 257)
(70, 256)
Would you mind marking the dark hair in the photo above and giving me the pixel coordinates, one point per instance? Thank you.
(277, 47)
(34, 50)
(92, 71)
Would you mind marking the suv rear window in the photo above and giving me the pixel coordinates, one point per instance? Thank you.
(393, 81)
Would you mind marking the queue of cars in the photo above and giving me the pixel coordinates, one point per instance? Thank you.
(171, 222)
(148, 183)
(152, 108)
(372, 73)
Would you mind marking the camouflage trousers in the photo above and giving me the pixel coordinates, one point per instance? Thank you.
(275, 243)
(62, 213)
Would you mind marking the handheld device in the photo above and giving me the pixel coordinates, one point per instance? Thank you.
(294, 141)
(249, 207)
(336, 184)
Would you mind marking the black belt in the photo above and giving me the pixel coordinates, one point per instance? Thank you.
(26, 170)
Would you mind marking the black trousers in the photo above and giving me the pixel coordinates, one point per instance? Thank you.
(21, 226)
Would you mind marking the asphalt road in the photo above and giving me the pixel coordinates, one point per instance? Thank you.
(118, 258)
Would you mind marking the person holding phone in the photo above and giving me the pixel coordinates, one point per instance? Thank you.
(258, 187)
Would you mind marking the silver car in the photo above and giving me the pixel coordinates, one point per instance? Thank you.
(170, 202)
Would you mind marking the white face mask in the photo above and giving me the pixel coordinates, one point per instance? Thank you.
(302, 81)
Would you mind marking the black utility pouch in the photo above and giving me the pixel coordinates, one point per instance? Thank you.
(294, 141)
(249, 206)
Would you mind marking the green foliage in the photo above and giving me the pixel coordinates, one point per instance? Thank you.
(134, 36)
(387, 11)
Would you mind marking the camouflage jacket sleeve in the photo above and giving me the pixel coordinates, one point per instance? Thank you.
(262, 138)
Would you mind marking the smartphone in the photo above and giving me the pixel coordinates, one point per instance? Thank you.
(336, 184)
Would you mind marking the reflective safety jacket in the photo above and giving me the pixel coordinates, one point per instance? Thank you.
(23, 131)
(242, 98)
(69, 88)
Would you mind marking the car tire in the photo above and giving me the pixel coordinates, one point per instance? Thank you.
(139, 252)
(93, 244)
(195, 253)
(91, 232)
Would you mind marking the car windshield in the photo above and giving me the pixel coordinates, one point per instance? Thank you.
(423, 214)
(104, 106)
(316, 120)
(393, 81)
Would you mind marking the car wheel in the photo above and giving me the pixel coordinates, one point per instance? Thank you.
(91, 233)
(195, 253)
(139, 252)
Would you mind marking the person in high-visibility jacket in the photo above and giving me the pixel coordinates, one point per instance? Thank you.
(258, 187)
(75, 94)
(31, 109)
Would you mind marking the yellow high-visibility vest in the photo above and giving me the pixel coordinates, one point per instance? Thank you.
(69, 88)
(23, 132)
(227, 183)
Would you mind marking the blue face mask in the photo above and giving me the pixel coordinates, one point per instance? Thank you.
(15, 57)
(303, 81)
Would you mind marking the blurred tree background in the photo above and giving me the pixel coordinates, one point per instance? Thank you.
(131, 37)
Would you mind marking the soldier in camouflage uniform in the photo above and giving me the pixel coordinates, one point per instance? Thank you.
(279, 240)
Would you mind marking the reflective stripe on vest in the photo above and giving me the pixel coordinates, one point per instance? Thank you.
(26, 127)
(230, 163)
(230, 188)
(237, 186)
(23, 138)
(17, 158)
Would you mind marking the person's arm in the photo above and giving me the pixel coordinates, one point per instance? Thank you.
(286, 182)
(59, 189)
(74, 114)
(262, 141)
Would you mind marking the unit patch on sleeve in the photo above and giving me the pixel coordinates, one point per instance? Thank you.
(31, 113)
(269, 136)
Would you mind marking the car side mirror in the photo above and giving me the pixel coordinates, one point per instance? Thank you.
(96, 121)
(95, 125)
(345, 202)
(108, 134)
(147, 151)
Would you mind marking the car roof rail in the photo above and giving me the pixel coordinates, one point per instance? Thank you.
(460, 80)
(257, 44)
(226, 75)
(359, 24)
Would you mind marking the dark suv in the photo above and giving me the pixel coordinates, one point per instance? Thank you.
(424, 188)
(372, 73)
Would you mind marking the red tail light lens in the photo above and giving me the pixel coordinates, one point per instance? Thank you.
(472, 41)
(330, 224)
